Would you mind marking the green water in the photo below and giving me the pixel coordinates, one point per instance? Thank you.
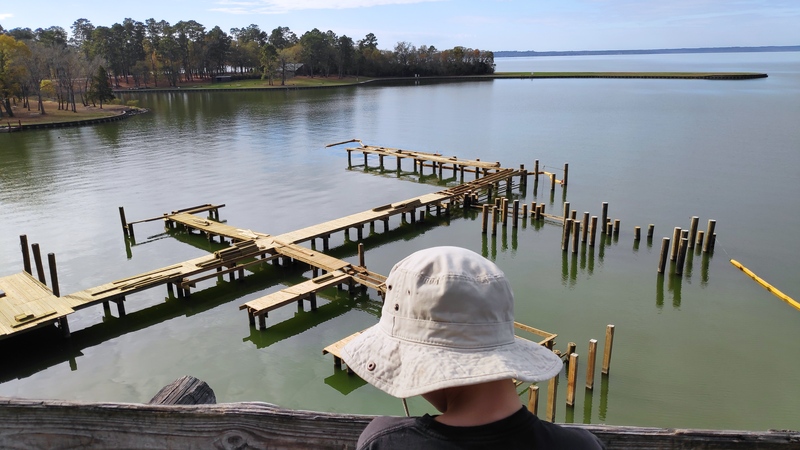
(710, 350)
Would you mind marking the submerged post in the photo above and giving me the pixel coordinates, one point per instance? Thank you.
(361, 255)
(485, 218)
(593, 234)
(515, 210)
(576, 231)
(693, 231)
(552, 390)
(585, 227)
(536, 171)
(566, 173)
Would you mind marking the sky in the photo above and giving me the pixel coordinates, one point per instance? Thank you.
(496, 25)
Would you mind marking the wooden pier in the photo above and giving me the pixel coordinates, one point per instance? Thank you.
(43, 307)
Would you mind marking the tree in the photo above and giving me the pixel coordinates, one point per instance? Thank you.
(12, 70)
(218, 46)
(269, 61)
(36, 65)
(345, 55)
(100, 90)
(82, 35)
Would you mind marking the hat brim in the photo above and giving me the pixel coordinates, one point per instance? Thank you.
(404, 369)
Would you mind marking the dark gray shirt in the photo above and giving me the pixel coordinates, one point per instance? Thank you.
(521, 430)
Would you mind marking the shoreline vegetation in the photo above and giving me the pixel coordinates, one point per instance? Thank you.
(87, 115)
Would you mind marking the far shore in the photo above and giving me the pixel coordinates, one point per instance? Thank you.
(85, 115)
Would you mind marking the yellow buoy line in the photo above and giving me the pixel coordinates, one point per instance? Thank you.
(766, 285)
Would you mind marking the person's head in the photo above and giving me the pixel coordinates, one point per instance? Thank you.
(447, 321)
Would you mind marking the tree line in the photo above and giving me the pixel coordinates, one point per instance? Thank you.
(157, 53)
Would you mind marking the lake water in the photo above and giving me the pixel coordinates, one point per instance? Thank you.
(710, 350)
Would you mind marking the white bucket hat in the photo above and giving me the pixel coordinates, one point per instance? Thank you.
(447, 320)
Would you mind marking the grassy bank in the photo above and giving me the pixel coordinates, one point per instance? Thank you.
(54, 115)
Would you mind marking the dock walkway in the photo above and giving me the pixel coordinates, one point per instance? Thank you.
(35, 305)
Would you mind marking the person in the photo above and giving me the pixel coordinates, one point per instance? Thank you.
(446, 332)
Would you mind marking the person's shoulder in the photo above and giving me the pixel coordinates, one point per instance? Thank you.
(382, 426)
(568, 437)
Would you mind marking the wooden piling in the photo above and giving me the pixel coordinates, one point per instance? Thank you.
(676, 240)
(604, 216)
(572, 378)
(593, 234)
(515, 212)
(681, 255)
(124, 222)
(552, 182)
(662, 260)
(349, 158)
(399, 159)
(494, 220)
(585, 227)
(533, 399)
(571, 346)
(576, 232)
(51, 261)
(37, 258)
(693, 231)
(637, 233)
(536, 171)
(566, 173)
(524, 210)
(609, 228)
(552, 391)
(504, 211)
(650, 230)
(590, 364)
(485, 218)
(607, 349)
(361, 255)
(566, 211)
(26, 256)
(709, 235)
(565, 234)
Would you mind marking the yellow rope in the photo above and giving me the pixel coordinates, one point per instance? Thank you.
(766, 285)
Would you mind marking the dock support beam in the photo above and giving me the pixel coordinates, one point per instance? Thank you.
(37, 258)
(51, 261)
(26, 256)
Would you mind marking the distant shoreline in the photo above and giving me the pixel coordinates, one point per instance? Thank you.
(662, 51)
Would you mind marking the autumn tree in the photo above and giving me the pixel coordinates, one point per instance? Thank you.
(12, 71)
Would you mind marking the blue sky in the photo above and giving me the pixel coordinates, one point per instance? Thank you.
(486, 24)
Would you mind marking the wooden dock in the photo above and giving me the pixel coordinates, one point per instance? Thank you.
(26, 304)
(250, 248)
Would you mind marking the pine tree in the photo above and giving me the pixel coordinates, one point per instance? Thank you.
(100, 89)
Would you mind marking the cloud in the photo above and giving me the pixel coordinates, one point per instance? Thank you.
(285, 6)
(4, 16)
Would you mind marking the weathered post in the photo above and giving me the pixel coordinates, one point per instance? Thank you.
(585, 226)
(533, 399)
(504, 208)
(51, 261)
(37, 258)
(552, 182)
(616, 227)
(604, 215)
(607, 349)
(566, 173)
(515, 211)
(709, 236)
(566, 211)
(662, 260)
(593, 234)
(637, 233)
(681, 255)
(124, 222)
(590, 364)
(565, 234)
(650, 230)
(572, 378)
(26, 256)
(693, 231)
(536, 171)
(361, 255)
(494, 220)
(485, 218)
(552, 391)
(676, 240)
(576, 231)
